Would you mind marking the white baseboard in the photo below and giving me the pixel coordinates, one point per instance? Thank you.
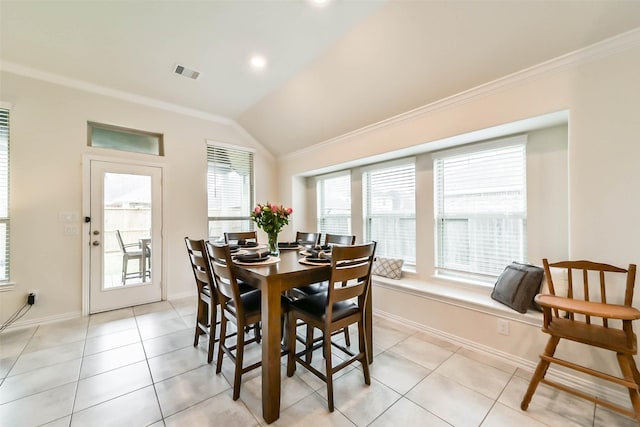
(46, 319)
(612, 395)
(179, 295)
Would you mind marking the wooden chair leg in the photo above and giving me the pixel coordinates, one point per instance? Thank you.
(328, 369)
(291, 344)
(237, 377)
(347, 339)
(540, 372)
(221, 342)
(362, 343)
(212, 330)
(628, 374)
(309, 343)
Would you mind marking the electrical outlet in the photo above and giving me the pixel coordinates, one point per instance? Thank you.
(31, 297)
(503, 327)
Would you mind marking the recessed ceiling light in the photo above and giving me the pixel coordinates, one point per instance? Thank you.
(319, 3)
(258, 62)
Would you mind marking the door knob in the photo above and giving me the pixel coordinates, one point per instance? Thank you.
(95, 243)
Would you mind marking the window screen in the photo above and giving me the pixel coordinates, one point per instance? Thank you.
(4, 195)
(481, 212)
(389, 202)
(230, 190)
(334, 203)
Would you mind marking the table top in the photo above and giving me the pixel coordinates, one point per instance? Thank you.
(289, 272)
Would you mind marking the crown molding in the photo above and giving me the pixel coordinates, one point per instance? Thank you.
(590, 53)
(33, 73)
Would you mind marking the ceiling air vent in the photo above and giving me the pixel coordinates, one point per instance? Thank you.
(183, 71)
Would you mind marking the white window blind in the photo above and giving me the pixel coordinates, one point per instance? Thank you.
(230, 190)
(389, 201)
(481, 211)
(4, 195)
(334, 203)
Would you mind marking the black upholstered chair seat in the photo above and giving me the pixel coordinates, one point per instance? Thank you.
(316, 305)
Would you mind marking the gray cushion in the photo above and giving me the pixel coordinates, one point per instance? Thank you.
(518, 285)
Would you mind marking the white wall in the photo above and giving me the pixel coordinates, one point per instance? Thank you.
(48, 142)
(601, 91)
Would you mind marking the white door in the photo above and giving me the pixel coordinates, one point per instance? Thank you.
(125, 235)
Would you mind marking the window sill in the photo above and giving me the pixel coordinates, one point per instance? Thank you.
(7, 286)
(460, 294)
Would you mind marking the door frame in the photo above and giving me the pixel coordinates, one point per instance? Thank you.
(86, 227)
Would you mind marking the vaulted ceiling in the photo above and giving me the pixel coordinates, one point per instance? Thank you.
(330, 69)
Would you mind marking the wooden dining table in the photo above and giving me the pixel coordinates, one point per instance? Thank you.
(273, 280)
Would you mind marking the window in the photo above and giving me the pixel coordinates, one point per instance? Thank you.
(229, 189)
(480, 203)
(389, 208)
(4, 195)
(334, 203)
(123, 139)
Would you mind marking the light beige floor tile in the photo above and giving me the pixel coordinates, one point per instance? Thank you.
(159, 328)
(171, 342)
(111, 384)
(502, 416)
(176, 362)
(396, 372)
(311, 411)
(47, 357)
(421, 352)
(184, 390)
(55, 338)
(549, 406)
(39, 408)
(38, 380)
(111, 341)
(111, 327)
(110, 316)
(359, 402)
(5, 366)
(152, 307)
(219, 410)
(406, 413)
(111, 359)
(12, 349)
(607, 418)
(440, 342)
(487, 360)
(14, 335)
(292, 390)
(60, 422)
(138, 408)
(156, 316)
(386, 335)
(185, 306)
(451, 401)
(474, 375)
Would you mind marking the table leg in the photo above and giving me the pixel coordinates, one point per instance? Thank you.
(368, 325)
(271, 312)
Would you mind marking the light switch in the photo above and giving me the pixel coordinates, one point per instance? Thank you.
(68, 216)
(71, 229)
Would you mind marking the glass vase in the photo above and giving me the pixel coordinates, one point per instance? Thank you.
(273, 244)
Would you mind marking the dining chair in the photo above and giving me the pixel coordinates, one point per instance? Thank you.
(207, 313)
(242, 309)
(240, 235)
(316, 288)
(132, 251)
(342, 305)
(594, 313)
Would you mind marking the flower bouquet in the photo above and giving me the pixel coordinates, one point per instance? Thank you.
(271, 218)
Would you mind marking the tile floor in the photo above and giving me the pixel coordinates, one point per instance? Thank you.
(137, 367)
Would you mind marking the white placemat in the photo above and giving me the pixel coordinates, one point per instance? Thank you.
(270, 260)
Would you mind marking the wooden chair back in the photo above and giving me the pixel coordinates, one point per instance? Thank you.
(233, 237)
(339, 239)
(350, 274)
(200, 265)
(224, 276)
(580, 277)
(308, 239)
